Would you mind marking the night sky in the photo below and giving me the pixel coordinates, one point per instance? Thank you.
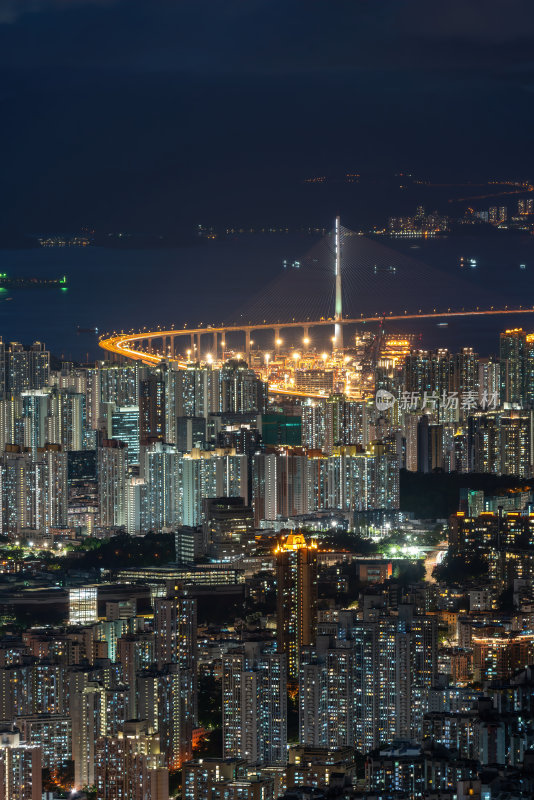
(152, 114)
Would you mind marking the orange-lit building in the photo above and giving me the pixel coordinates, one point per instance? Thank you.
(497, 657)
(296, 597)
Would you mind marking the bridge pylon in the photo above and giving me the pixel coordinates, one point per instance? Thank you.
(338, 311)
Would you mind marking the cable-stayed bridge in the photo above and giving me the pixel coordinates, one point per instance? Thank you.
(343, 281)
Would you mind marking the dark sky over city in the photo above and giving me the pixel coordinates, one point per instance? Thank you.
(151, 114)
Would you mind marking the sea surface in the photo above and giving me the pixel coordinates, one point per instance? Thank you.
(120, 289)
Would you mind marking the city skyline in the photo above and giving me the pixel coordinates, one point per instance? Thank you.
(266, 400)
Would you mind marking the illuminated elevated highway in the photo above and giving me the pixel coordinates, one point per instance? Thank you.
(339, 248)
(150, 347)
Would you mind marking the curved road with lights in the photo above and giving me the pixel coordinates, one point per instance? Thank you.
(123, 344)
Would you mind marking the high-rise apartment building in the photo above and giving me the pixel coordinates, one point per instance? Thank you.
(190, 433)
(35, 415)
(125, 428)
(203, 778)
(327, 707)
(512, 352)
(20, 768)
(130, 766)
(118, 384)
(88, 713)
(175, 630)
(366, 680)
(152, 407)
(67, 420)
(296, 598)
(166, 700)
(240, 389)
(346, 423)
(313, 426)
(160, 472)
(34, 491)
(49, 495)
(112, 470)
(211, 473)
(52, 733)
(27, 369)
(255, 705)
(228, 525)
(525, 207)
(501, 442)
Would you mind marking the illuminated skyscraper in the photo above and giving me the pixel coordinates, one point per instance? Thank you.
(3, 385)
(190, 433)
(437, 373)
(313, 426)
(500, 442)
(136, 505)
(363, 481)
(16, 494)
(280, 481)
(34, 491)
(159, 469)
(135, 653)
(464, 371)
(296, 598)
(368, 681)
(516, 436)
(512, 352)
(125, 428)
